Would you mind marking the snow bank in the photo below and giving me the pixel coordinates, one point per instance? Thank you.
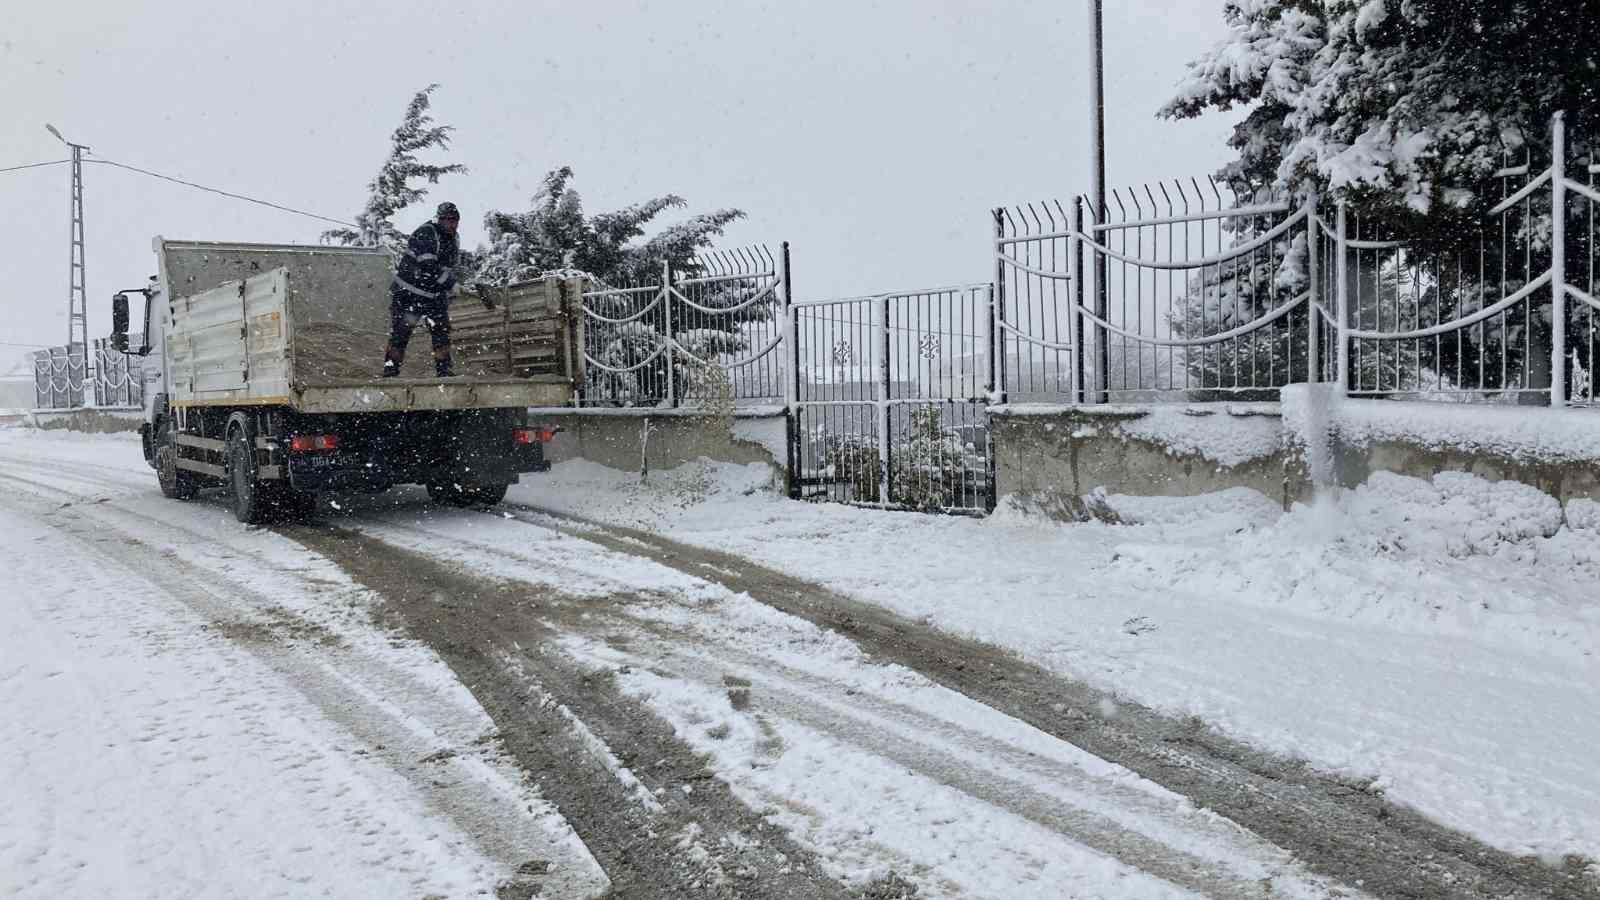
(1434, 635)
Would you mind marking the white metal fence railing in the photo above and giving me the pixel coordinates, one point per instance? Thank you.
(712, 331)
(118, 376)
(1178, 290)
(1177, 287)
(113, 379)
(58, 377)
(889, 402)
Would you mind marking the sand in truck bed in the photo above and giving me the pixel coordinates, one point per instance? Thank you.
(331, 354)
(342, 343)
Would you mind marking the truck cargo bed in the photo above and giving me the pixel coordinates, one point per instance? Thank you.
(306, 327)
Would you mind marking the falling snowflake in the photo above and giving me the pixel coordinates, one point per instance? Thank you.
(928, 346)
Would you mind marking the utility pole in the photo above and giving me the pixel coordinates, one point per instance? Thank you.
(77, 295)
(1097, 213)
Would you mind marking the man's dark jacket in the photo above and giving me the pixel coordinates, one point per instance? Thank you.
(427, 268)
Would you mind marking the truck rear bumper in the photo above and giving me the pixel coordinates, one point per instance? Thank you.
(366, 465)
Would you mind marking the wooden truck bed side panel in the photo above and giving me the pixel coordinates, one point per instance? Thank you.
(526, 334)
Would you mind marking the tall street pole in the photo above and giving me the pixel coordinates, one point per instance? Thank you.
(1097, 132)
(77, 296)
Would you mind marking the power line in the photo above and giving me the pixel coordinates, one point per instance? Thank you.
(107, 162)
(288, 209)
(31, 346)
(54, 162)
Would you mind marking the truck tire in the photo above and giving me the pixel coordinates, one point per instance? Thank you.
(250, 502)
(176, 483)
(455, 494)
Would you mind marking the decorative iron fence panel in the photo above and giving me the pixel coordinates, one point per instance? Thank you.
(890, 398)
(1204, 295)
(1207, 296)
(58, 375)
(709, 333)
(114, 378)
(118, 376)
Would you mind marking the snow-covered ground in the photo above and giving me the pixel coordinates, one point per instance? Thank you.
(192, 708)
(1437, 637)
(209, 710)
(872, 766)
(198, 697)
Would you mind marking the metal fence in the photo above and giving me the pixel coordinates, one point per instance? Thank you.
(58, 377)
(1202, 293)
(700, 333)
(890, 400)
(118, 376)
(115, 379)
(1206, 296)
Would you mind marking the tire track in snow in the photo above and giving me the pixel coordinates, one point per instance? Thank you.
(702, 842)
(1094, 812)
(1101, 813)
(1396, 851)
(1338, 828)
(352, 689)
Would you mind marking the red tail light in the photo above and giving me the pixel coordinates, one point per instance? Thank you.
(303, 442)
(543, 434)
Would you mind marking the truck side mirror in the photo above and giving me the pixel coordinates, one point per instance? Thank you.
(119, 322)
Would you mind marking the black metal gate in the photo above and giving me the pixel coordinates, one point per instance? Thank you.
(890, 399)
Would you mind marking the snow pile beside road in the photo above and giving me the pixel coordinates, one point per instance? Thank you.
(1434, 636)
(1221, 512)
(1455, 514)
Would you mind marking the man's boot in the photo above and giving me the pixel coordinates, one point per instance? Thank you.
(442, 367)
(392, 360)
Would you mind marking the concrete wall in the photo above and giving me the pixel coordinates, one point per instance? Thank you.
(615, 437)
(94, 421)
(1049, 458)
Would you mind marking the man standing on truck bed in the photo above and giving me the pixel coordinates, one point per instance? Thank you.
(421, 291)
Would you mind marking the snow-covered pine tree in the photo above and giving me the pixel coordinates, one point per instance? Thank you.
(394, 188)
(1394, 102)
(556, 234)
(1404, 108)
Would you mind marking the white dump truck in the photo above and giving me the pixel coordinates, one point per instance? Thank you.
(266, 378)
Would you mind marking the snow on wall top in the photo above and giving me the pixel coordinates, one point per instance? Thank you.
(1521, 433)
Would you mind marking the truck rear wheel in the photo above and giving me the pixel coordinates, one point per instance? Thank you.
(250, 501)
(176, 483)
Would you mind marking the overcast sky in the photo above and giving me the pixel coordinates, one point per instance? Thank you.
(873, 136)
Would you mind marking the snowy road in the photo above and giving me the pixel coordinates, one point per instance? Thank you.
(193, 709)
(406, 701)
